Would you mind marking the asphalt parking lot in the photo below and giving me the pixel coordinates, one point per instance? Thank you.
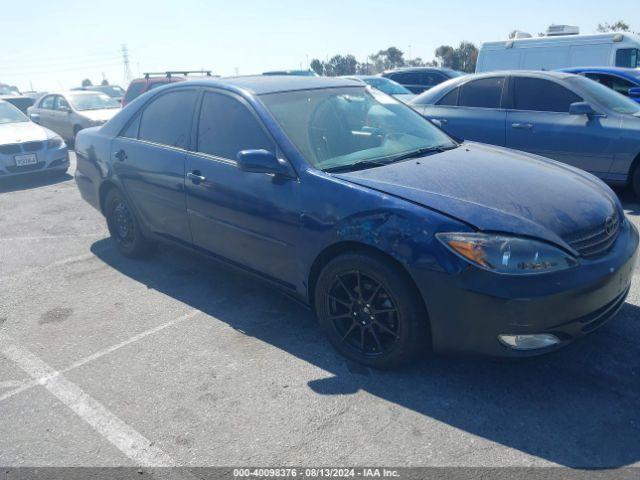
(176, 360)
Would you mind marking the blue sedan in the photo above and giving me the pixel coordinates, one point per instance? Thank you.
(401, 239)
(623, 80)
(562, 116)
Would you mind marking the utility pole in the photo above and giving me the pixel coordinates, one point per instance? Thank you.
(126, 76)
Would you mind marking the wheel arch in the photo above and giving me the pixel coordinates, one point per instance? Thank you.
(347, 246)
(104, 190)
(632, 169)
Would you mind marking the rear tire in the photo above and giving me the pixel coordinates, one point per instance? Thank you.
(124, 227)
(371, 311)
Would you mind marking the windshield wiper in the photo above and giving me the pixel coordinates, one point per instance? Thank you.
(421, 152)
(353, 166)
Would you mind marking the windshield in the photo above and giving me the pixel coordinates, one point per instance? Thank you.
(338, 128)
(607, 97)
(111, 90)
(92, 101)
(387, 86)
(10, 114)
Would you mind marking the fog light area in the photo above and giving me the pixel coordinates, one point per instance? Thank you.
(529, 342)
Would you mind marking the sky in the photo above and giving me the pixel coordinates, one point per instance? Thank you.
(54, 44)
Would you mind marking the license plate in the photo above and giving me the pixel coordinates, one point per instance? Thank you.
(22, 160)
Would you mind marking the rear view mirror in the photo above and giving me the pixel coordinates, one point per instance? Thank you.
(262, 161)
(634, 92)
(581, 108)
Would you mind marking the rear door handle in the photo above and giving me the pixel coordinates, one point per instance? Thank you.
(121, 155)
(196, 177)
(522, 126)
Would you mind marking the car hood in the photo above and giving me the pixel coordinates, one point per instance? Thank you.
(103, 115)
(22, 132)
(497, 189)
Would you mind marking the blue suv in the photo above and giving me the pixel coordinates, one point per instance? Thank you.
(562, 116)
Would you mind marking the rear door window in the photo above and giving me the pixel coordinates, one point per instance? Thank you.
(167, 119)
(407, 78)
(541, 95)
(482, 93)
(226, 127)
(450, 99)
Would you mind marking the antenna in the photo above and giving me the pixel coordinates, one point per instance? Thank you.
(126, 76)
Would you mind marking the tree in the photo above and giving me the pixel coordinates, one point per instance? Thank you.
(619, 26)
(317, 66)
(387, 59)
(86, 83)
(341, 65)
(463, 58)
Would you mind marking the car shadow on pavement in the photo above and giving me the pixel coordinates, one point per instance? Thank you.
(32, 180)
(578, 407)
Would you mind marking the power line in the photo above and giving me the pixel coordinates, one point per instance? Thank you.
(127, 68)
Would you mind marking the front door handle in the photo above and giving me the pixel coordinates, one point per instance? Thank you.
(522, 126)
(196, 177)
(121, 155)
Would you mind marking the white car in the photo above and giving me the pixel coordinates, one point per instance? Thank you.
(26, 147)
(69, 112)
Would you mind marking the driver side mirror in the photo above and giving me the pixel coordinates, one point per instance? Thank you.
(634, 93)
(582, 108)
(262, 161)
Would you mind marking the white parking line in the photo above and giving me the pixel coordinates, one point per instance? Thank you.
(133, 444)
(11, 383)
(40, 381)
(52, 237)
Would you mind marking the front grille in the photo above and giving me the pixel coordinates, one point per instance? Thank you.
(32, 146)
(10, 149)
(596, 241)
(25, 168)
(16, 148)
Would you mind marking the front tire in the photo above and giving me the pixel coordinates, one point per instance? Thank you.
(124, 227)
(371, 311)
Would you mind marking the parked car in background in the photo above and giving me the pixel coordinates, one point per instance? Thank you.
(26, 147)
(385, 85)
(153, 80)
(420, 79)
(9, 90)
(294, 73)
(562, 116)
(623, 80)
(349, 200)
(558, 51)
(21, 102)
(114, 91)
(67, 113)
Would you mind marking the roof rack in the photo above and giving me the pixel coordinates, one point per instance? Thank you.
(178, 72)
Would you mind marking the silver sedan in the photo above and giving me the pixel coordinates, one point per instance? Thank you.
(69, 112)
(26, 147)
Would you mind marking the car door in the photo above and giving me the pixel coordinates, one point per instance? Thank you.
(251, 219)
(148, 157)
(62, 117)
(539, 122)
(473, 111)
(43, 114)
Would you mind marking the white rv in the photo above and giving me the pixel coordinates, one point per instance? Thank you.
(561, 48)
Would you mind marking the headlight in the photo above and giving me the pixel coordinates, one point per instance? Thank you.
(506, 254)
(55, 142)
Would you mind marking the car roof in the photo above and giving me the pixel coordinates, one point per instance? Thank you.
(627, 72)
(420, 69)
(263, 84)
